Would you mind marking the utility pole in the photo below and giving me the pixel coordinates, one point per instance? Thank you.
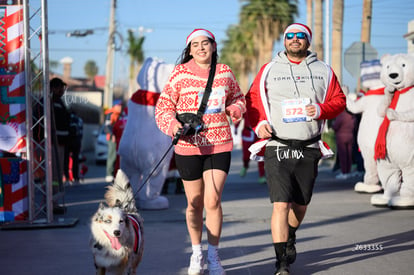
(327, 32)
(318, 29)
(365, 30)
(309, 14)
(109, 82)
(366, 21)
(337, 28)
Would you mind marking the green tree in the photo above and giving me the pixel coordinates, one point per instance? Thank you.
(270, 18)
(136, 57)
(238, 52)
(91, 69)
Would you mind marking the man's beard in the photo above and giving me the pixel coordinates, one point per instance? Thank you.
(297, 53)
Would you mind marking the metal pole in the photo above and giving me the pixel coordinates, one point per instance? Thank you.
(29, 81)
(27, 88)
(363, 51)
(46, 102)
(38, 152)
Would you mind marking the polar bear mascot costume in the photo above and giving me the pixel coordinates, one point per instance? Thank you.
(143, 145)
(394, 145)
(367, 106)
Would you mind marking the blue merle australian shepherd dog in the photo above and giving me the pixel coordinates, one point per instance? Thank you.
(117, 241)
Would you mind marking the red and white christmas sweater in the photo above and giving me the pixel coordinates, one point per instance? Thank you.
(183, 93)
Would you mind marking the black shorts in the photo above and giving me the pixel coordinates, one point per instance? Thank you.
(291, 173)
(192, 167)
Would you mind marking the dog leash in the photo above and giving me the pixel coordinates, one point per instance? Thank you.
(187, 126)
(177, 136)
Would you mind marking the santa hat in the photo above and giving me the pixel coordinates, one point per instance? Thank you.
(302, 28)
(199, 32)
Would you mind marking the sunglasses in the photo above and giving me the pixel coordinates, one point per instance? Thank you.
(299, 35)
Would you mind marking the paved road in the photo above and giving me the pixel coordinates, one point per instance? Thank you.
(338, 222)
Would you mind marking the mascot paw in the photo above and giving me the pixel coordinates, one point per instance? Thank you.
(392, 114)
(157, 203)
(389, 91)
(379, 200)
(361, 187)
(399, 202)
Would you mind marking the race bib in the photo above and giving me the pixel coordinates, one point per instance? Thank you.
(216, 101)
(293, 110)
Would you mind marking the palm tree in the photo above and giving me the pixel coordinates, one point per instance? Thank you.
(91, 70)
(238, 52)
(337, 26)
(270, 18)
(136, 56)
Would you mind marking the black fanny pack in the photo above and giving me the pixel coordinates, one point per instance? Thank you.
(193, 123)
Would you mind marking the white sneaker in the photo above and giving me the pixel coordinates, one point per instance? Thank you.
(214, 266)
(196, 265)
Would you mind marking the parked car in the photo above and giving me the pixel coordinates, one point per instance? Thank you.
(101, 146)
(101, 143)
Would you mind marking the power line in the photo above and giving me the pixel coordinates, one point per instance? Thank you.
(75, 50)
(78, 29)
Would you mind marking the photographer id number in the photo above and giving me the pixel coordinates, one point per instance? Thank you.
(368, 247)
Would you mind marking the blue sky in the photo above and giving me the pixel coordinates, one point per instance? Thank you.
(172, 20)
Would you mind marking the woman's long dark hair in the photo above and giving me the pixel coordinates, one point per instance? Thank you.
(185, 55)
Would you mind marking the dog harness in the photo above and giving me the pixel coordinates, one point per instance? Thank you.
(135, 224)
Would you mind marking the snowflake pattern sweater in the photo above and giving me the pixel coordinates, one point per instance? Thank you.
(183, 94)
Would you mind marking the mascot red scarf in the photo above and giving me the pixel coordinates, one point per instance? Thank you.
(380, 143)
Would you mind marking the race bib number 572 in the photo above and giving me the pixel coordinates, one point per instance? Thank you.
(294, 110)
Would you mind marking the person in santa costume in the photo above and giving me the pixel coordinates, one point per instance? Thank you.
(248, 138)
(142, 144)
(287, 104)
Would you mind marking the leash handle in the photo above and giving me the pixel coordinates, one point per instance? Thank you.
(177, 136)
(181, 132)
